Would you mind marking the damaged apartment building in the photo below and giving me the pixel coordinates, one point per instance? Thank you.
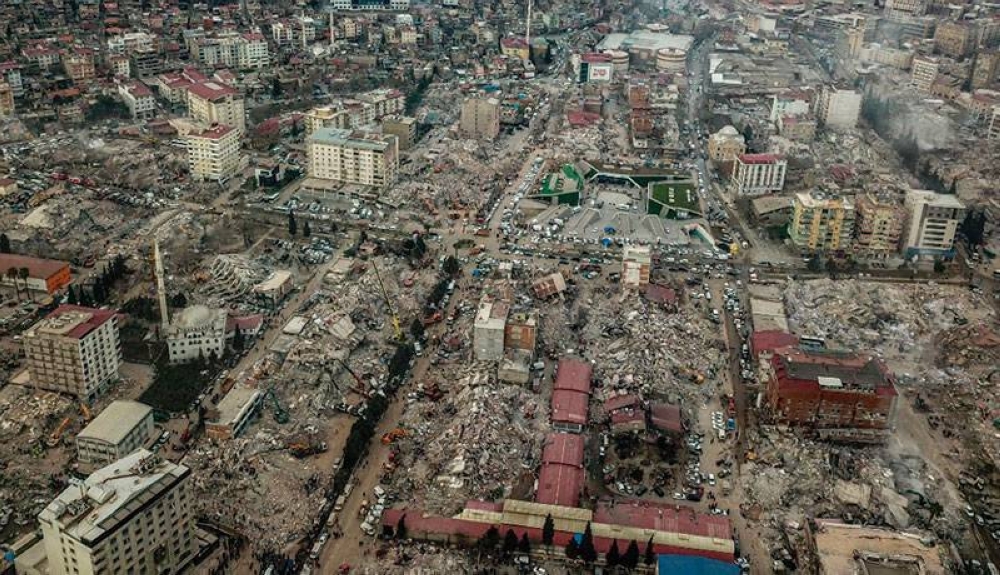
(842, 395)
(500, 334)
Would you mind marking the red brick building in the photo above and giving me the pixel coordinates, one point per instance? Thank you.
(842, 395)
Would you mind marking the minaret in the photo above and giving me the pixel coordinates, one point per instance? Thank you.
(527, 30)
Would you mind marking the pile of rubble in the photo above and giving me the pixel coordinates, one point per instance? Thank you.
(638, 347)
(401, 558)
(259, 474)
(464, 441)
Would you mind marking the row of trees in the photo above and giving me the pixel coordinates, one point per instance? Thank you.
(101, 287)
(293, 227)
(575, 550)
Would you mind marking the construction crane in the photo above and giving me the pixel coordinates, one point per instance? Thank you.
(280, 413)
(395, 318)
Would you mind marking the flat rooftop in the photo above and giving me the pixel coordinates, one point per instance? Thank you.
(116, 421)
(72, 321)
(856, 549)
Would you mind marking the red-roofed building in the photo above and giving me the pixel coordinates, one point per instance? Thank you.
(666, 417)
(139, 99)
(48, 276)
(674, 531)
(214, 102)
(663, 296)
(842, 395)
(74, 350)
(515, 48)
(561, 477)
(582, 119)
(763, 343)
(571, 395)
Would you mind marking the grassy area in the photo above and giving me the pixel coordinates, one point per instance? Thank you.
(673, 196)
(175, 387)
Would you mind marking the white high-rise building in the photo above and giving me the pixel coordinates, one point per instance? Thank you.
(933, 220)
(838, 109)
(353, 157)
(74, 350)
(213, 102)
(133, 516)
(481, 118)
(756, 174)
(214, 154)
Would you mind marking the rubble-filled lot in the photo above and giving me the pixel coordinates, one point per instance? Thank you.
(284, 468)
(939, 341)
(401, 558)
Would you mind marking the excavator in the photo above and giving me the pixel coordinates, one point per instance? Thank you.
(393, 435)
(280, 413)
(53, 439)
(85, 410)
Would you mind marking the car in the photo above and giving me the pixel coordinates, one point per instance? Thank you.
(679, 496)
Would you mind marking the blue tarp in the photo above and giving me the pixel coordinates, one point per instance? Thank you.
(690, 565)
(606, 242)
(609, 230)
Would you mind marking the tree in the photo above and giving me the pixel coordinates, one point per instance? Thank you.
(24, 274)
(179, 300)
(417, 329)
(974, 227)
(401, 527)
(939, 266)
(306, 230)
(548, 530)
(524, 546)
(613, 556)
(650, 555)
(814, 264)
(509, 543)
(71, 298)
(451, 266)
(572, 549)
(12, 276)
(488, 542)
(631, 557)
(293, 227)
(4, 244)
(276, 88)
(86, 300)
(587, 550)
(239, 340)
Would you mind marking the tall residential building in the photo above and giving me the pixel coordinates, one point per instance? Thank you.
(821, 223)
(878, 226)
(955, 39)
(196, 332)
(79, 65)
(923, 72)
(993, 126)
(838, 109)
(933, 220)
(133, 516)
(328, 117)
(74, 350)
(232, 50)
(757, 174)
(214, 154)
(481, 118)
(726, 144)
(213, 102)
(353, 157)
(120, 429)
(139, 99)
(6, 100)
(895, 9)
(404, 128)
(636, 264)
(840, 394)
(984, 73)
(489, 330)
